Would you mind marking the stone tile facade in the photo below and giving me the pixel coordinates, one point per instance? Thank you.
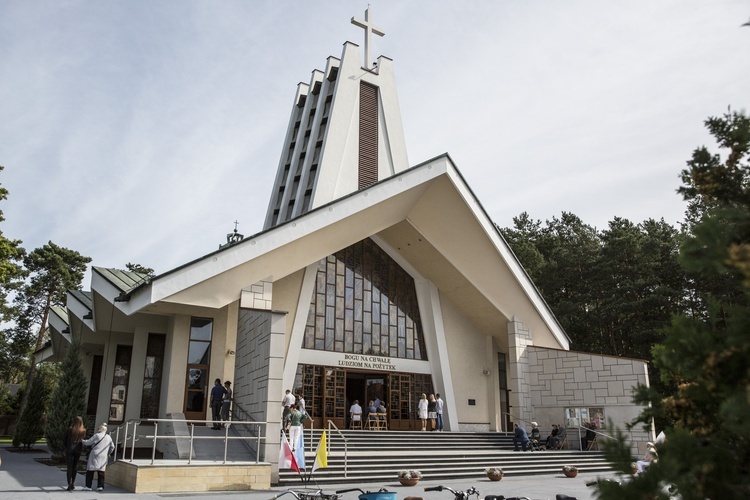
(258, 296)
(559, 379)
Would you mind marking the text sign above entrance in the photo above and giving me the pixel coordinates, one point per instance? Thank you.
(368, 362)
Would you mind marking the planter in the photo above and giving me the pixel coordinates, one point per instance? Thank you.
(570, 473)
(412, 481)
(494, 477)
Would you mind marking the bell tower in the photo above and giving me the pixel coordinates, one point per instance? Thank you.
(344, 134)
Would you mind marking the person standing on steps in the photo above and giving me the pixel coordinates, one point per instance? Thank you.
(432, 412)
(217, 400)
(227, 401)
(422, 410)
(287, 402)
(439, 412)
(295, 419)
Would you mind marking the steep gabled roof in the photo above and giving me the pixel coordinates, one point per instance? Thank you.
(82, 296)
(125, 281)
(427, 214)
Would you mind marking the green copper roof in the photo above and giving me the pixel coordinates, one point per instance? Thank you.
(124, 281)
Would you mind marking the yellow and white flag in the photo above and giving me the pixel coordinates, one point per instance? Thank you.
(321, 456)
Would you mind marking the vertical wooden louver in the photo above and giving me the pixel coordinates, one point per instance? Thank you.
(368, 135)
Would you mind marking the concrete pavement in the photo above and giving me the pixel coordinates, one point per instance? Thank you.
(21, 476)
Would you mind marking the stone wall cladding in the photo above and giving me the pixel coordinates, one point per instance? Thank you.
(561, 379)
(578, 378)
(252, 363)
(259, 296)
(520, 369)
(252, 360)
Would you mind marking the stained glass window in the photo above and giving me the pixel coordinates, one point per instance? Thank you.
(364, 303)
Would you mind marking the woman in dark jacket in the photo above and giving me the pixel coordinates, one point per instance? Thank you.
(432, 411)
(73, 442)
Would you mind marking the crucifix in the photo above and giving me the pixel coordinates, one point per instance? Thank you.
(369, 30)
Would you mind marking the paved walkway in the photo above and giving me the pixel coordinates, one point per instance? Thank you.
(21, 476)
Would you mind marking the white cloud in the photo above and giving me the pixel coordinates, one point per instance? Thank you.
(140, 131)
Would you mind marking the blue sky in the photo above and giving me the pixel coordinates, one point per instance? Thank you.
(139, 131)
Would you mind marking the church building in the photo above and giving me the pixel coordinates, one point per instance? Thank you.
(372, 278)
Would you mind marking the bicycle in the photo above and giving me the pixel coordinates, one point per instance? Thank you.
(466, 495)
(463, 495)
(307, 495)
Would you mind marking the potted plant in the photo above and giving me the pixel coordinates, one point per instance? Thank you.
(494, 473)
(409, 477)
(570, 470)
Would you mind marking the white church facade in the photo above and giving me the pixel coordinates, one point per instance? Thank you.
(371, 278)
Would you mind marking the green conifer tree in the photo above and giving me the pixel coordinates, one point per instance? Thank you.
(68, 399)
(30, 426)
(705, 356)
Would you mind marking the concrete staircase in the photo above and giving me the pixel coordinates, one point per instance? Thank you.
(377, 456)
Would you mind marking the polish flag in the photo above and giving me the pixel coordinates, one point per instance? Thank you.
(286, 457)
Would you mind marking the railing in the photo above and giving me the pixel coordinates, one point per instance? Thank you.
(346, 445)
(130, 432)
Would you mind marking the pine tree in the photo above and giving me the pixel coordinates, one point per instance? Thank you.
(705, 356)
(30, 426)
(68, 399)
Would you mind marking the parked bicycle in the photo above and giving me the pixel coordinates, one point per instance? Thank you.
(467, 494)
(458, 494)
(307, 495)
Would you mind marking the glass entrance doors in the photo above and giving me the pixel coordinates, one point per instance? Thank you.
(329, 392)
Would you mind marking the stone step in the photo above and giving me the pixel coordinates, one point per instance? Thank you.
(378, 456)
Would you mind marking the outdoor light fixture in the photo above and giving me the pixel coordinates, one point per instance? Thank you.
(230, 353)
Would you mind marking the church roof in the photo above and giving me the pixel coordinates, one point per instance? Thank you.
(125, 281)
(83, 296)
(426, 215)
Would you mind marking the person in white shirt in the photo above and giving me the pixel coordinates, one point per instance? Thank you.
(648, 458)
(422, 409)
(287, 402)
(355, 412)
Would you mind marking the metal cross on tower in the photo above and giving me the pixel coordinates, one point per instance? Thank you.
(369, 30)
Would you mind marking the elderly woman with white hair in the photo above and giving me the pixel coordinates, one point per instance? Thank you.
(648, 458)
(535, 436)
(101, 448)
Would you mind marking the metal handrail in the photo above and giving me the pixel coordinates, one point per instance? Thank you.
(346, 446)
(192, 437)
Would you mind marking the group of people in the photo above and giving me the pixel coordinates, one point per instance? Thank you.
(556, 437)
(101, 447)
(431, 409)
(531, 442)
(221, 399)
(374, 407)
(293, 416)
